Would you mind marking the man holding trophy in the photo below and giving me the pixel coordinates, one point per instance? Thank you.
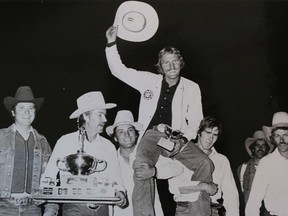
(84, 163)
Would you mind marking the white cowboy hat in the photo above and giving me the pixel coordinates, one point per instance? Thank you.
(90, 101)
(137, 21)
(280, 119)
(258, 135)
(123, 117)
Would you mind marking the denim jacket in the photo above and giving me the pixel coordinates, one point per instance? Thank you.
(42, 152)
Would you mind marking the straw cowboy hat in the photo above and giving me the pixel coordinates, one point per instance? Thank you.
(137, 21)
(123, 117)
(23, 94)
(258, 135)
(280, 119)
(91, 101)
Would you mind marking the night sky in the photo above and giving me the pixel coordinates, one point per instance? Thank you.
(235, 50)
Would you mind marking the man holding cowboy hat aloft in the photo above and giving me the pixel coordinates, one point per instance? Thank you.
(257, 147)
(270, 183)
(166, 97)
(24, 154)
(91, 116)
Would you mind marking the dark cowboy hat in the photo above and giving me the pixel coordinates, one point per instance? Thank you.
(23, 94)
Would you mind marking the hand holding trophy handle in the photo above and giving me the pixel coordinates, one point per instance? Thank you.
(97, 166)
(61, 164)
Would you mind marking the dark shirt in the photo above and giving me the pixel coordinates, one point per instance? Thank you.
(163, 113)
(23, 164)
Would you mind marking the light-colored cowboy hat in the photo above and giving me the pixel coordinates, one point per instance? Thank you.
(123, 117)
(258, 135)
(137, 21)
(280, 119)
(91, 101)
(23, 94)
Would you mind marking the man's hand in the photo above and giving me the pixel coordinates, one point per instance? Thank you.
(122, 203)
(144, 171)
(210, 188)
(179, 143)
(111, 34)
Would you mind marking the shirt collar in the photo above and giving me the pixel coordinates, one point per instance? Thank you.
(213, 152)
(166, 85)
(132, 156)
(14, 129)
(278, 156)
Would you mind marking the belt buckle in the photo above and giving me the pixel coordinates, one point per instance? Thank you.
(21, 201)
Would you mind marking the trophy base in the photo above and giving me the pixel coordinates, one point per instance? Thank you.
(84, 200)
(77, 189)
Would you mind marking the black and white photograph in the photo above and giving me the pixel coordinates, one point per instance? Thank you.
(144, 108)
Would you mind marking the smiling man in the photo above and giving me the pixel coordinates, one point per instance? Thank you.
(91, 119)
(125, 132)
(257, 147)
(270, 183)
(166, 98)
(208, 133)
(24, 154)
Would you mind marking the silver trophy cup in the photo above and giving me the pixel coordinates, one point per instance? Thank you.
(81, 164)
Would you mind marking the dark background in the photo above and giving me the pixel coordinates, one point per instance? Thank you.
(235, 50)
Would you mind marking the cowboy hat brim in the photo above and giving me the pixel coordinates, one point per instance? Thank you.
(110, 129)
(80, 111)
(10, 102)
(136, 21)
(250, 140)
(267, 130)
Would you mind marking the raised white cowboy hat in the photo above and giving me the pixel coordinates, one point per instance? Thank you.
(23, 94)
(258, 135)
(91, 101)
(280, 119)
(137, 21)
(123, 117)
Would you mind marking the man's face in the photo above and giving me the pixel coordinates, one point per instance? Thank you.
(260, 149)
(96, 120)
(171, 65)
(24, 113)
(125, 135)
(207, 138)
(281, 140)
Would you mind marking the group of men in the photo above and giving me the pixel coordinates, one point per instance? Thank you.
(151, 178)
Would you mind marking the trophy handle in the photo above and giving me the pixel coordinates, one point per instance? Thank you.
(61, 165)
(98, 166)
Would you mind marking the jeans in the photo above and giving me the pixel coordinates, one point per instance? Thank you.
(8, 209)
(191, 157)
(70, 209)
(192, 209)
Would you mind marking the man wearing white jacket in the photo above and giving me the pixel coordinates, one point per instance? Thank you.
(166, 98)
